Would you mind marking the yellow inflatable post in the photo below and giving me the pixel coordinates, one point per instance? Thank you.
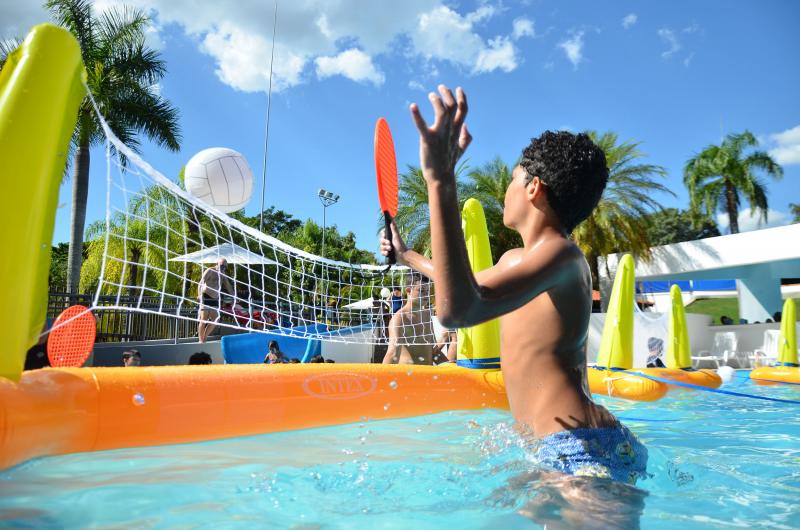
(41, 89)
(787, 344)
(616, 345)
(478, 346)
(679, 353)
(788, 369)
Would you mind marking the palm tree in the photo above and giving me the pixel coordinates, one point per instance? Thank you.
(795, 211)
(488, 184)
(413, 216)
(620, 221)
(6, 47)
(720, 175)
(122, 76)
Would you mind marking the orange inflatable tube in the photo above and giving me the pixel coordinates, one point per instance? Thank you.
(704, 378)
(68, 410)
(770, 375)
(623, 385)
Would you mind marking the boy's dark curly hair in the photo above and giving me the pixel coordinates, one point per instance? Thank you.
(573, 170)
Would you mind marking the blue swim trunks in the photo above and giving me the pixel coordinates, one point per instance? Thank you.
(612, 452)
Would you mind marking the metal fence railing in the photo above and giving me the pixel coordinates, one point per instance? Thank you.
(118, 325)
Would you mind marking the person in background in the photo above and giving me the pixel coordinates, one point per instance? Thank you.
(656, 348)
(444, 351)
(37, 354)
(294, 360)
(274, 355)
(396, 299)
(131, 358)
(210, 290)
(200, 357)
(411, 328)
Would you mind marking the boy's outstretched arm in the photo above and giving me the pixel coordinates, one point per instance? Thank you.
(519, 276)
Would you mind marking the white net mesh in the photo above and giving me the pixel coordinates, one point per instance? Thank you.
(158, 242)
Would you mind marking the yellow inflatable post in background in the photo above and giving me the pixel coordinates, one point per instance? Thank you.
(679, 352)
(787, 344)
(787, 370)
(41, 88)
(616, 345)
(478, 346)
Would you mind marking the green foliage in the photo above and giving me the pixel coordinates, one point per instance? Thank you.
(488, 184)
(794, 209)
(621, 221)
(721, 175)
(674, 226)
(276, 222)
(122, 74)
(413, 217)
(57, 279)
(6, 47)
(716, 307)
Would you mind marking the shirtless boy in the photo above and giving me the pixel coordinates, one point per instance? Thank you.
(542, 291)
(411, 329)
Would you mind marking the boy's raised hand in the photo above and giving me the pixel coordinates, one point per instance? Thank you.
(443, 143)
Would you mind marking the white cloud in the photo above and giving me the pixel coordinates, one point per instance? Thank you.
(416, 85)
(669, 38)
(443, 34)
(749, 222)
(688, 60)
(786, 150)
(694, 28)
(573, 48)
(629, 20)
(523, 27)
(499, 55)
(237, 35)
(352, 64)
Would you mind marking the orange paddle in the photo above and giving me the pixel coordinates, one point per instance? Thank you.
(386, 173)
(72, 337)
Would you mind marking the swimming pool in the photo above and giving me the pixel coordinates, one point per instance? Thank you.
(716, 462)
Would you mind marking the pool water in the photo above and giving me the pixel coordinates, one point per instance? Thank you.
(716, 461)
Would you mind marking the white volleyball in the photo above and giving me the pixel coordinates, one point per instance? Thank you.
(219, 177)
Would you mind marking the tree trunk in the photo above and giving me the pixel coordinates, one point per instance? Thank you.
(80, 191)
(733, 210)
(133, 272)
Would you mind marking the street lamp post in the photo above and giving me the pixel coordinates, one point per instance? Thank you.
(327, 199)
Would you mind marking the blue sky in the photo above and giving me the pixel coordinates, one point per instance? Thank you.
(671, 75)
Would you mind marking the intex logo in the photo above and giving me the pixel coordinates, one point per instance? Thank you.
(341, 385)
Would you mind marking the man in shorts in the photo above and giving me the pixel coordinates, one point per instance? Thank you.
(411, 329)
(213, 282)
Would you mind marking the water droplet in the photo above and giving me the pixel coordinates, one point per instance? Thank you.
(363, 439)
(138, 399)
(435, 377)
(393, 385)
(386, 407)
(410, 372)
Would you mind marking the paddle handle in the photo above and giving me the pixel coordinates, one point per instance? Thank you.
(391, 259)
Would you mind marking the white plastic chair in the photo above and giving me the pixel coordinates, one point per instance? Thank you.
(767, 354)
(724, 349)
